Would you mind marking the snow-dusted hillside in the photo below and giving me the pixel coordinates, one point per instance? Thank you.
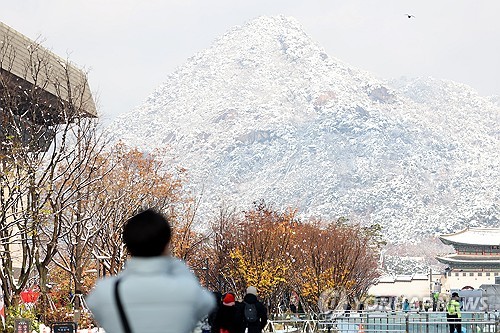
(265, 113)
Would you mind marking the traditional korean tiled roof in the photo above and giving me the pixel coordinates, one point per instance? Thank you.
(473, 236)
(470, 259)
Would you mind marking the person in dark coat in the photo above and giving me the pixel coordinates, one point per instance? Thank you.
(251, 298)
(211, 316)
(227, 319)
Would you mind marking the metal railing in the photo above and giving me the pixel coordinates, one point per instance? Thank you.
(384, 322)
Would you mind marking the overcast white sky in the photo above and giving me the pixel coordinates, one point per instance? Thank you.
(130, 46)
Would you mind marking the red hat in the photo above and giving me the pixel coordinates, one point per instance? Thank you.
(228, 299)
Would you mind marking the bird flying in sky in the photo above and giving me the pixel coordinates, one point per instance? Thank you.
(410, 16)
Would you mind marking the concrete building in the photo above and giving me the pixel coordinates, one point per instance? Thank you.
(38, 91)
(60, 79)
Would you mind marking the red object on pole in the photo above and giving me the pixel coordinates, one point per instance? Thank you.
(29, 296)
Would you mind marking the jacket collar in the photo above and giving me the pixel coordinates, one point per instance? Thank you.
(139, 265)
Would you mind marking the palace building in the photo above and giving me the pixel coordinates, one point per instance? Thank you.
(474, 264)
(476, 260)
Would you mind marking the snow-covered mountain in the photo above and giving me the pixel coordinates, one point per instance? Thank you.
(265, 113)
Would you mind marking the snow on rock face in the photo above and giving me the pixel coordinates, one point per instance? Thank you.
(265, 113)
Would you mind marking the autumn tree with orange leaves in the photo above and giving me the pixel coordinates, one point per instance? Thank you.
(338, 263)
(221, 241)
(325, 263)
(261, 256)
(133, 182)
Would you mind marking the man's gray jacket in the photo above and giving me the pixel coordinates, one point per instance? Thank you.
(159, 294)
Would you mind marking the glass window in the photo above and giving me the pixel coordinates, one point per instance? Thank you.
(479, 274)
(456, 274)
(487, 273)
(471, 274)
(464, 274)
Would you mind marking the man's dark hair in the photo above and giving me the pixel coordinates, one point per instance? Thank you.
(147, 234)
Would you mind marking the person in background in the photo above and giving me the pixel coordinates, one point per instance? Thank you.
(293, 308)
(347, 309)
(427, 305)
(453, 313)
(211, 316)
(254, 312)
(228, 318)
(155, 292)
(406, 305)
(435, 301)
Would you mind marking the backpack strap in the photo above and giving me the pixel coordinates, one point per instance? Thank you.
(121, 311)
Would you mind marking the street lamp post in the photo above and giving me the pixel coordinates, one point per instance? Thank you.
(204, 268)
(431, 291)
(101, 269)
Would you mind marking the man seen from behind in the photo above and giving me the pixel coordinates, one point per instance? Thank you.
(157, 292)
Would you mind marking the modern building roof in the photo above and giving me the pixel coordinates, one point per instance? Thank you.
(57, 76)
(473, 236)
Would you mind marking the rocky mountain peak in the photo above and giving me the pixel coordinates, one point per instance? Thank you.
(265, 113)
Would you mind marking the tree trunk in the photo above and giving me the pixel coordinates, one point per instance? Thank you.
(43, 300)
